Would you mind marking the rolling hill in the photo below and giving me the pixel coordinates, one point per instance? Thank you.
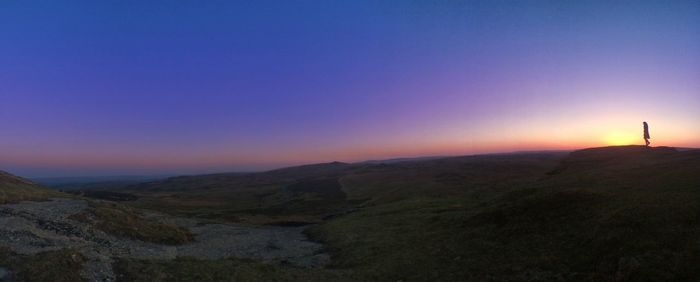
(14, 189)
(603, 214)
(626, 213)
(308, 194)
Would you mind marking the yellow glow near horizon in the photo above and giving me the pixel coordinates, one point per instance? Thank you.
(620, 138)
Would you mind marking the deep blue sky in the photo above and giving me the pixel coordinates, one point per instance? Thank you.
(140, 87)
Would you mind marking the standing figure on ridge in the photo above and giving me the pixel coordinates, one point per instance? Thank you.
(646, 134)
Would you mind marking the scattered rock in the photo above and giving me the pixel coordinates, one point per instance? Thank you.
(3, 273)
(33, 227)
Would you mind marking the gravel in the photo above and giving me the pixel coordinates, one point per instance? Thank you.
(3, 273)
(33, 227)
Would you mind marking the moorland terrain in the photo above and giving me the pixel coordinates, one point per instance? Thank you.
(627, 213)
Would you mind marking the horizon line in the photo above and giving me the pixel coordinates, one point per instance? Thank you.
(277, 167)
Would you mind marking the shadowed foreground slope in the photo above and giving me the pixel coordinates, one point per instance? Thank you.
(603, 214)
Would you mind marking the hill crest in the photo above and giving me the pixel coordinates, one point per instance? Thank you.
(7, 178)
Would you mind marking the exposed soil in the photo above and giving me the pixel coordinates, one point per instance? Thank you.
(34, 227)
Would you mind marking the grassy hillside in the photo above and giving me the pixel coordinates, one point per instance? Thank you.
(308, 194)
(604, 214)
(56, 266)
(304, 194)
(607, 214)
(15, 189)
(126, 222)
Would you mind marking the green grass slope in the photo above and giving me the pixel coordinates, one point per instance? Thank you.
(308, 194)
(55, 266)
(15, 189)
(127, 222)
(304, 194)
(604, 214)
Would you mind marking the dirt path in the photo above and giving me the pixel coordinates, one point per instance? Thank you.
(33, 227)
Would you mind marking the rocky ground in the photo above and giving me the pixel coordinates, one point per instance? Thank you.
(33, 227)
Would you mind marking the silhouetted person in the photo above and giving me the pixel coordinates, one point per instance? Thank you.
(646, 134)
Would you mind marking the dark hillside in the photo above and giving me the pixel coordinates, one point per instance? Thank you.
(242, 180)
(604, 214)
(15, 189)
(479, 176)
(303, 194)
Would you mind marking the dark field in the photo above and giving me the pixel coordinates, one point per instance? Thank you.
(604, 214)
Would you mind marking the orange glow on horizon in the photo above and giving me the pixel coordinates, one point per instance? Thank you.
(620, 138)
(527, 135)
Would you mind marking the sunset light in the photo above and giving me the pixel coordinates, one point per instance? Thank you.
(242, 87)
(620, 138)
(349, 140)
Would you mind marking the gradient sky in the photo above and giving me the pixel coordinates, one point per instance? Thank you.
(144, 87)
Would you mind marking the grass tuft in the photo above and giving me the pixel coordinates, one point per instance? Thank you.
(57, 266)
(126, 222)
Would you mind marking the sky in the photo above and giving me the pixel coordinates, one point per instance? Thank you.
(179, 87)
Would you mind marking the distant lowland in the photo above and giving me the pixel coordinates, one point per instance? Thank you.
(87, 182)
